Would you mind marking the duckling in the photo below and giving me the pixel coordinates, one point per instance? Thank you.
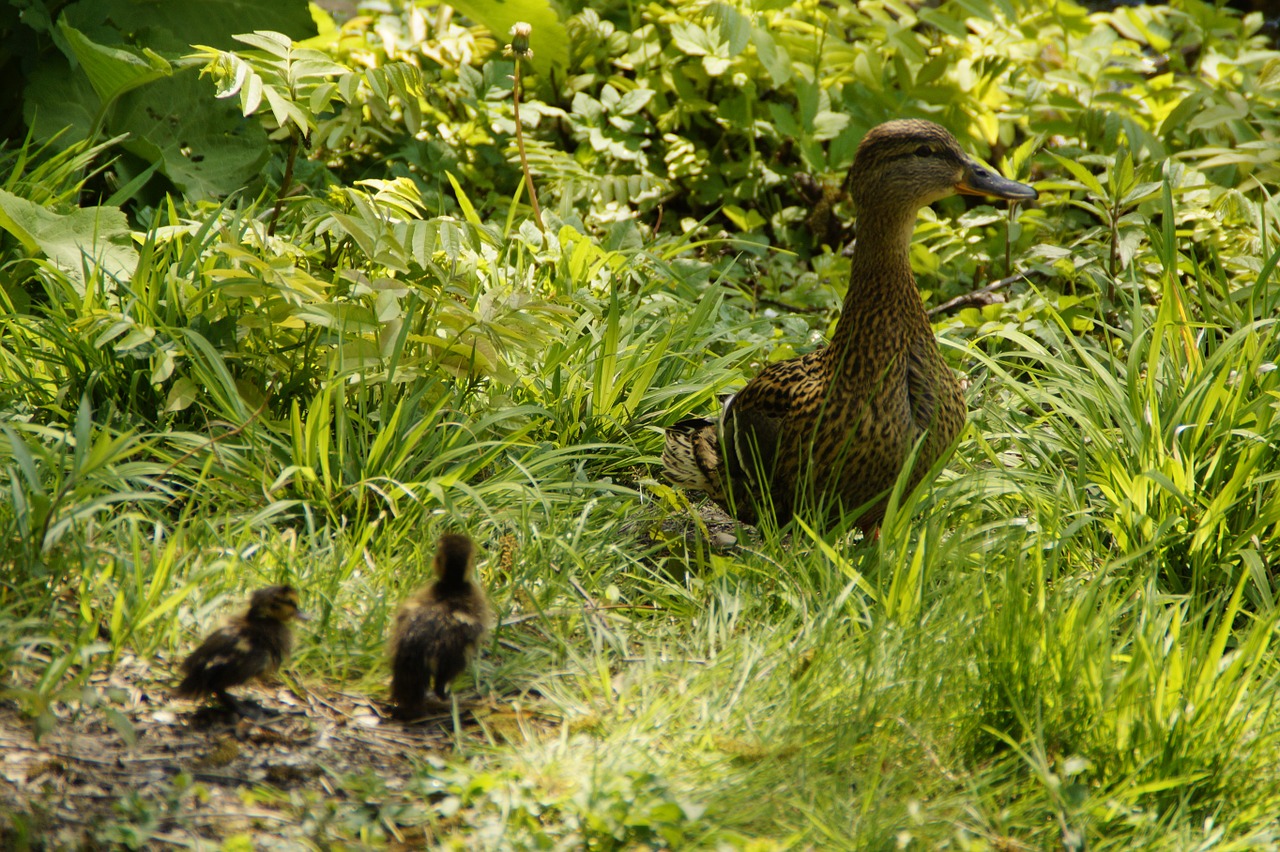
(437, 630)
(248, 646)
(831, 430)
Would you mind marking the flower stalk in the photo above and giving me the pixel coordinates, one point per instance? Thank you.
(519, 49)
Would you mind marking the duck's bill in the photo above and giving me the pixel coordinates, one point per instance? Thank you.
(979, 180)
(301, 616)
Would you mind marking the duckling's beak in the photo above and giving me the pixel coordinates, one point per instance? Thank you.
(301, 616)
(980, 180)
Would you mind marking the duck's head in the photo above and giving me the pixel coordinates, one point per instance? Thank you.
(455, 557)
(277, 603)
(909, 163)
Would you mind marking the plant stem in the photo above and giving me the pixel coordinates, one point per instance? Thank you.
(286, 184)
(524, 159)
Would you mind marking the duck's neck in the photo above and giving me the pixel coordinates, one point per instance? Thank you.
(882, 310)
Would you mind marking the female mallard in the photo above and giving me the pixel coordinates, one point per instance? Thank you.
(831, 430)
(248, 646)
(436, 631)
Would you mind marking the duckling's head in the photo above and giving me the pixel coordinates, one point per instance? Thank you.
(909, 163)
(455, 557)
(276, 603)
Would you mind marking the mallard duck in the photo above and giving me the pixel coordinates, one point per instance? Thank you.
(436, 631)
(248, 646)
(831, 430)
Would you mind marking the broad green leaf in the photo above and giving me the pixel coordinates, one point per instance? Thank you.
(92, 236)
(171, 27)
(57, 102)
(269, 41)
(113, 71)
(549, 40)
(207, 152)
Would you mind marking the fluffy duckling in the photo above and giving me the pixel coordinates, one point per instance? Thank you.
(248, 646)
(436, 631)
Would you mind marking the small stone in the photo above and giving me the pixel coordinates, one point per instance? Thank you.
(723, 540)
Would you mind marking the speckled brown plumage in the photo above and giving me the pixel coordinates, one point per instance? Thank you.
(248, 646)
(437, 630)
(831, 430)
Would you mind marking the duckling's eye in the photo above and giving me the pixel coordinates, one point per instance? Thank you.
(924, 151)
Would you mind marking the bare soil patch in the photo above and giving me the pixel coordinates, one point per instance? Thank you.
(129, 766)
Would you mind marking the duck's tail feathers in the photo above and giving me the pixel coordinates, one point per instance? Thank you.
(691, 456)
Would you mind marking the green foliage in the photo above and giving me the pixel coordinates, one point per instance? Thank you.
(1061, 639)
(111, 68)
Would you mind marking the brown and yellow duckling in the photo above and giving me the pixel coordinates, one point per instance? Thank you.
(437, 630)
(832, 429)
(248, 646)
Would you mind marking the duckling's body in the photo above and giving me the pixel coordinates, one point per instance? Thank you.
(250, 645)
(831, 430)
(437, 630)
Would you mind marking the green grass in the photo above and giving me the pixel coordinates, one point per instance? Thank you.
(1061, 639)
(1064, 635)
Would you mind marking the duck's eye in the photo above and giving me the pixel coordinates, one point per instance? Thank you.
(924, 151)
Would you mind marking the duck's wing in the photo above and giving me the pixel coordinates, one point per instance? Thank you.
(763, 414)
(225, 658)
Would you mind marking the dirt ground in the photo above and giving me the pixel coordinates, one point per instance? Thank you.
(129, 766)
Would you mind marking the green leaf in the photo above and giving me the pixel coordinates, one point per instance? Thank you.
(1082, 174)
(549, 39)
(114, 71)
(633, 101)
(207, 152)
(183, 393)
(172, 27)
(827, 124)
(122, 725)
(468, 210)
(735, 27)
(56, 100)
(99, 236)
(745, 220)
(715, 65)
(772, 56)
(690, 39)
